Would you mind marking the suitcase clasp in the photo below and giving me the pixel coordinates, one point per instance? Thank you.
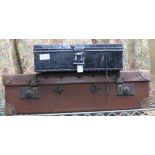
(126, 89)
(30, 92)
(79, 62)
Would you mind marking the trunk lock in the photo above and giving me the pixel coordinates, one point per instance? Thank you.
(125, 89)
(30, 92)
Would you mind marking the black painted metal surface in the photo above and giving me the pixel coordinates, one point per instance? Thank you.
(55, 58)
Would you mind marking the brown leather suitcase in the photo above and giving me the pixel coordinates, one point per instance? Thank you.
(71, 92)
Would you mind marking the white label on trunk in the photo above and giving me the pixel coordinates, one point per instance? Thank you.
(44, 56)
(80, 68)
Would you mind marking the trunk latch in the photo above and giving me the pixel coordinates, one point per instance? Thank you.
(79, 59)
(126, 89)
(30, 92)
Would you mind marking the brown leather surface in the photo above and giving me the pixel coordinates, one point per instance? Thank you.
(76, 97)
(68, 78)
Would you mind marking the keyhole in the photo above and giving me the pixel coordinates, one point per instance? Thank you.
(28, 94)
(126, 90)
(35, 91)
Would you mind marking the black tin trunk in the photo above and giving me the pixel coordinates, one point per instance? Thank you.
(62, 58)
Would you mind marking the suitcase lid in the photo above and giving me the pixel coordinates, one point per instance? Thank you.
(71, 78)
(85, 47)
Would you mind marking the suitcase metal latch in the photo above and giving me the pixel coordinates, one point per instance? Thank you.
(79, 59)
(125, 90)
(30, 92)
(79, 62)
